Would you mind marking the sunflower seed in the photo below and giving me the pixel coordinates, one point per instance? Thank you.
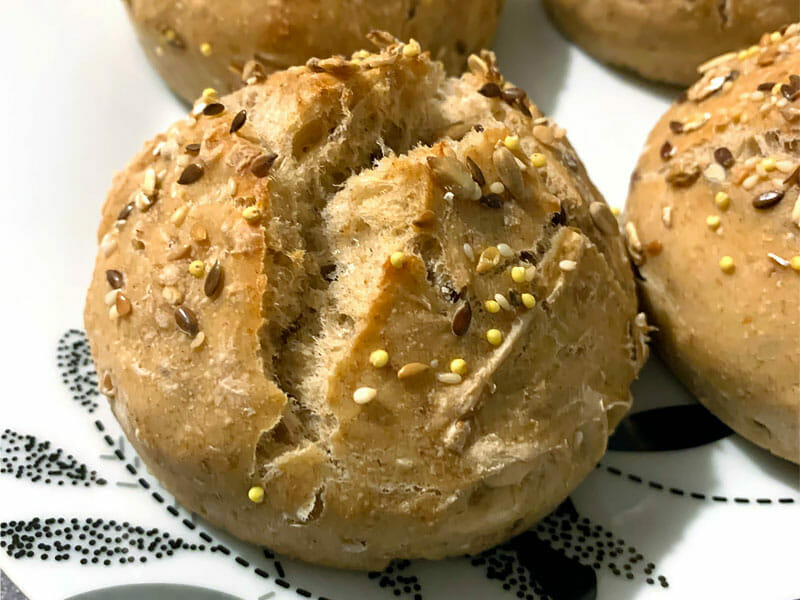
(453, 177)
(509, 172)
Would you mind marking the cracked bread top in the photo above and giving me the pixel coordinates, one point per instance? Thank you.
(361, 310)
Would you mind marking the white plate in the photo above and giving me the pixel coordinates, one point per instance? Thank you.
(719, 520)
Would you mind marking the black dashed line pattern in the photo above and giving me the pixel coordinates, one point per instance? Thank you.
(696, 495)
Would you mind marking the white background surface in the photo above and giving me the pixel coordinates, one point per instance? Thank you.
(77, 102)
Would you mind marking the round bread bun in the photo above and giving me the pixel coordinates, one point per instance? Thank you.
(342, 218)
(713, 221)
(196, 44)
(666, 40)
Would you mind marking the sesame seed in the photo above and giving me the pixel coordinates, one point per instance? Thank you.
(490, 90)
(114, 278)
(469, 252)
(179, 215)
(722, 200)
(750, 182)
(505, 250)
(538, 160)
(125, 212)
(528, 301)
(397, 259)
(197, 268)
(724, 157)
(726, 265)
(449, 197)
(205, 49)
(518, 274)
(213, 280)
(567, 265)
(503, 302)
(256, 494)
(251, 214)
(491, 306)
(379, 358)
(111, 297)
(190, 174)
(475, 170)
(238, 121)
(494, 337)
(214, 109)
(411, 370)
(511, 142)
(462, 319)
(497, 187)
(197, 341)
(459, 366)
(713, 222)
(262, 165)
(364, 395)
(186, 320)
(768, 199)
(449, 378)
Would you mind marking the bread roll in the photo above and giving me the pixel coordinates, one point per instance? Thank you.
(365, 325)
(666, 40)
(196, 44)
(712, 220)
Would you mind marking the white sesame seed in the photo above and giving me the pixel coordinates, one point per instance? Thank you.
(449, 197)
(505, 250)
(750, 182)
(111, 297)
(364, 395)
(109, 243)
(503, 302)
(449, 378)
(666, 216)
(435, 363)
(469, 252)
(112, 313)
(567, 265)
(197, 341)
(497, 187)
(530, 273)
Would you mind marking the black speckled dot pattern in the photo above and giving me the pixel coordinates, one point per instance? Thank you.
(77, 368)
(398, 580)
(90, 541)
(26, 457)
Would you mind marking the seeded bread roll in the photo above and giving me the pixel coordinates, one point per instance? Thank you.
(387, 316)
(196, 44)
(666, 40)
(712, 221)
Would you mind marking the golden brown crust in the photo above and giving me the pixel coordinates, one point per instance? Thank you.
(196, 44)
(666, 40)
(730, 331)
(352, 253)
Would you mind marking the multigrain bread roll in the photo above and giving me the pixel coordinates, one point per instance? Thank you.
(362, 311)
(196, 44)
(712, 221)
(665, 40)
